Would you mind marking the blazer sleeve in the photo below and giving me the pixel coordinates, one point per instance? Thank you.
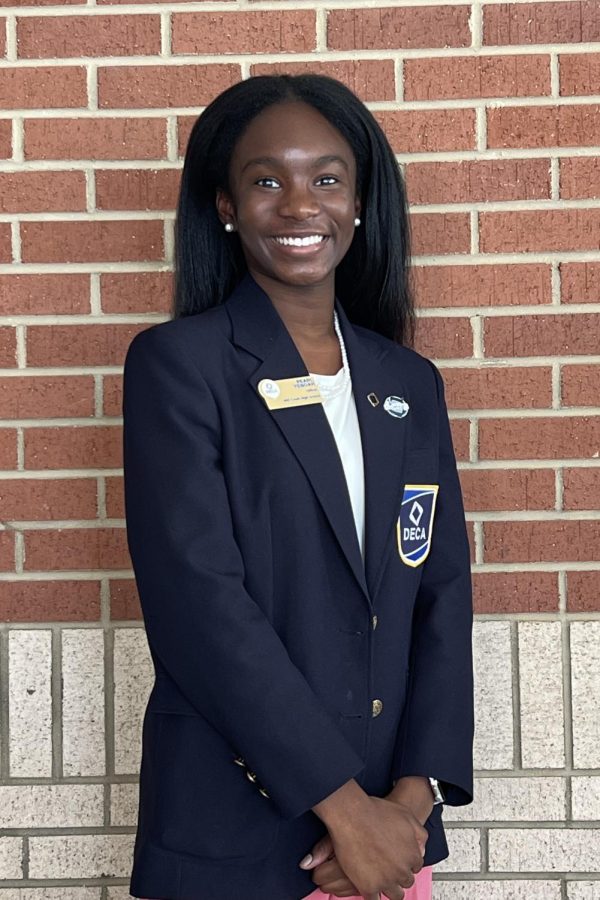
(435, 737)
(202, 625)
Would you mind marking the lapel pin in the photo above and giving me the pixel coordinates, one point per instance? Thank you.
(396, 406)
(373, 399)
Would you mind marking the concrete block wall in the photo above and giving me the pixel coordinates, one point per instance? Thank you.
(494, 112)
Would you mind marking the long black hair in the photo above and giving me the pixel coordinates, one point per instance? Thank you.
(372, 281)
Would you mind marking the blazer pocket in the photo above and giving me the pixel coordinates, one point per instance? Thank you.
(205, 805)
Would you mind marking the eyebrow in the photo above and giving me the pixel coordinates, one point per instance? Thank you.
(273, 161)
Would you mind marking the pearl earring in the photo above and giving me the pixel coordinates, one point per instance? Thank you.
(357, 221)
(228, 226)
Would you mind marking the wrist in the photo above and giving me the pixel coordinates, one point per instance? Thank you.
(414, 792)
(343, 805)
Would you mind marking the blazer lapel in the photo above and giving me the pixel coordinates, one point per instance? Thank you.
(258, 328)
(383, 441)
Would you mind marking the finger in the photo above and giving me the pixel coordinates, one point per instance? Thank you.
(394, 892)
(321, 851)
(328, 871)
(342, 887)
(371, 897)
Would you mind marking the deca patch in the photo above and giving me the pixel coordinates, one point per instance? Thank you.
(415, 522)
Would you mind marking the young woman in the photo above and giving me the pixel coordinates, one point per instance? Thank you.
(295, 524)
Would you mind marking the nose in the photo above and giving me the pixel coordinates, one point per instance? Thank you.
(298, 202)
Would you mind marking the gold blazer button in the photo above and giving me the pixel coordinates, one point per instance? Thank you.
(377, 707)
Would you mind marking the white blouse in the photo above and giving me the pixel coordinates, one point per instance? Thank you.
(340, 410)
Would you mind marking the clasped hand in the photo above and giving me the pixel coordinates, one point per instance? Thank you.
(380, 853)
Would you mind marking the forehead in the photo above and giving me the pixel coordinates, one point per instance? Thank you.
(289, 130)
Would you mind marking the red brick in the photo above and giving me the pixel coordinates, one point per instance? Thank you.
(478, 180)
(124, 600)
(115, 500)
(499, 387)
(580, 385)
(444, 338)
(2, 37)
(42, 192)
(126, 292)
(46, 397)
(514, 592)
(43, 87)
(579, 73)
(471, 539)
(79, 345)
(442, 78)
(137, 188)
(97, 138)
(426, 130)
(5, 242)
(580, 178)
(104, 241)
(583, 591)
(40, 37)
(44, 294)
(5, 138)
(394, 28)
(545, 335)
(509, 490)
(502, 284)
(549, 541)
(370, 79)
(49, 601)
(581, 488)
(7, 551)
(522, 127)
(440, 233)
(8, 346)
(164, 86)
(558, 437)
(42, 499)
(541, 23)
(76, 549)
(8, 448)
(76, 447)
(268, 31)
(113, 395)
(184, 127)
(539, 230)
(580, 282)
(460, 438)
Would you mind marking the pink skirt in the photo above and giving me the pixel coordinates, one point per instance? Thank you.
(421, 889)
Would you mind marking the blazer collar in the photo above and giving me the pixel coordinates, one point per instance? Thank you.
(258, 328)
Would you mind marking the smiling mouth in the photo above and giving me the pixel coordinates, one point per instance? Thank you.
(306, 241)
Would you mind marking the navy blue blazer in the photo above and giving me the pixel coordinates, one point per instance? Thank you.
(284, 664)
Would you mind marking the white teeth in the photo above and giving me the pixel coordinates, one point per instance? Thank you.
(300, 242)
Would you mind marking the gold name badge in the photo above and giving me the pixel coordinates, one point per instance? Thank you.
(299, 391)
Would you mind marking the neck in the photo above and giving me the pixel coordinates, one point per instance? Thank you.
(306, 310)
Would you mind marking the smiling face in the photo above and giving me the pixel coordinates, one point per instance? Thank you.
(292, 196)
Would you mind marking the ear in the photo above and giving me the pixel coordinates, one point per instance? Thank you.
(357, 205)
(225, 207)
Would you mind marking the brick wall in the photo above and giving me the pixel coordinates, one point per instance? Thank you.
(494, 111)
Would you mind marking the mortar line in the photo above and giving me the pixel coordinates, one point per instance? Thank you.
(4, 706)
(56, 682)
(516, 695)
